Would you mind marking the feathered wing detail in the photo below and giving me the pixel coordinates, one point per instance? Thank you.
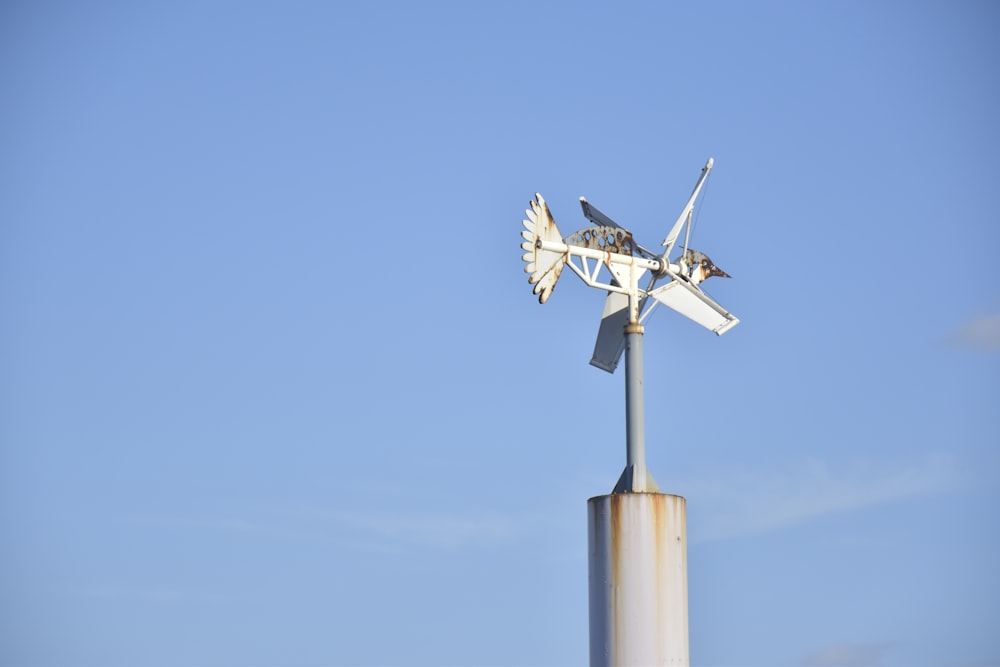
(544, 266)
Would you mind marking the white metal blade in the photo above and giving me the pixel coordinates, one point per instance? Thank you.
(593, 214)
(692, 303)
(611, 336)
(596, 216)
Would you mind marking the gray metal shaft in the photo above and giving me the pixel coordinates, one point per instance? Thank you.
(635, 410)
(636, 477)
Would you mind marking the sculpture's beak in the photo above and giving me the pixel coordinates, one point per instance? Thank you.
(713, 270)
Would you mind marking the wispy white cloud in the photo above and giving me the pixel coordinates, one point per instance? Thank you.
(262, 524)
(443, 530)
(731, 503)
(741, 503)
(848, 655)
(981, 332)
(377, 530)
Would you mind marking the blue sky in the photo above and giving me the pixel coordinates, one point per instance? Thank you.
(274, 389)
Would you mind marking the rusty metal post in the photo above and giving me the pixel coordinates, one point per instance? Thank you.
(637, 559)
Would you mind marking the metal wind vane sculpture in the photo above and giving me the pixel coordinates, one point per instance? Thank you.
(633, 291)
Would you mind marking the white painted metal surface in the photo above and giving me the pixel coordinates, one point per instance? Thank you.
(692, 303)
(638, 580)
(610, 246)
(543, 265)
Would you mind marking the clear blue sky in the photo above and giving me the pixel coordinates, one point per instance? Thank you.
(274, 389)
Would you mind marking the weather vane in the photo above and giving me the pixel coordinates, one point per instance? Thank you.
(627, 305)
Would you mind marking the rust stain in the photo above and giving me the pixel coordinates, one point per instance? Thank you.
(602, 237)
(645, 531)
(660, 523)
(615, 523)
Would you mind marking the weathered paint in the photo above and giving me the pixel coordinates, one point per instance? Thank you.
(609, 239)
(544, 266)
(638, 580)
(699, 267)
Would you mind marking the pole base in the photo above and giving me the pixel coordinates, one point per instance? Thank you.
(637, 573)
(636, 479)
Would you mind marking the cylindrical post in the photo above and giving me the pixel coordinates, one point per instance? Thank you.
(638, 580)
(635, 409)
(635, 477)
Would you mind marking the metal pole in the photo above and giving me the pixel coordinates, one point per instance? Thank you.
(635, 410)
(635, 478)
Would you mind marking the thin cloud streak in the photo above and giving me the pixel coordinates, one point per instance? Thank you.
(848, 655)
(753, 502)
(982, 333)
(260, 527)
(428, 529)
(374, 530)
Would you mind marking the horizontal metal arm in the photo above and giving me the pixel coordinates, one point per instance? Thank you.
(603, 258)
(600, 255)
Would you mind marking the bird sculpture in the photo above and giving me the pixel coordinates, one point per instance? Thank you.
(700, 268)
